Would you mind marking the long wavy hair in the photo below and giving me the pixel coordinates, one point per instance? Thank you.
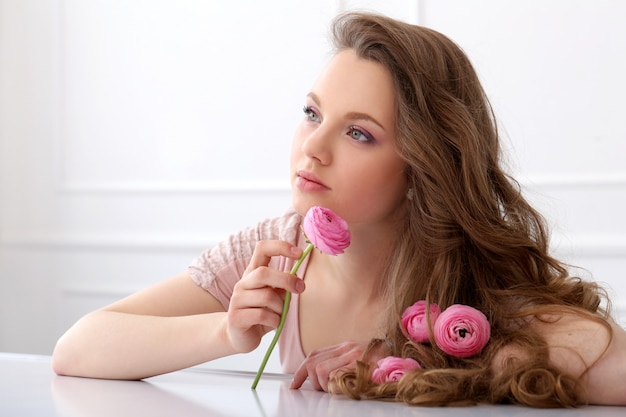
(469, 236)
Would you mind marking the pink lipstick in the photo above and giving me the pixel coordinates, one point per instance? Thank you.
(307, 181)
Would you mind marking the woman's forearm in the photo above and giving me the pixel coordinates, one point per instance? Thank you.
(113, 345)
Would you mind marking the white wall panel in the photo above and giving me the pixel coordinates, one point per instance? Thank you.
(165, 92)
(405, 10)
(554, 74)
(135, 133)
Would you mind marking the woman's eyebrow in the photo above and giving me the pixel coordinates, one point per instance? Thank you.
(363, 116)
(351, 115)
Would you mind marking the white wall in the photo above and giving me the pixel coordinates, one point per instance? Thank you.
(135, 133)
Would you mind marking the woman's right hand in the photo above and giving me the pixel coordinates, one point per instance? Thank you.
(257, 301)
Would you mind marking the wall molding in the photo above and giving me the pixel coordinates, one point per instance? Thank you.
(175, 187)
(601, 246)
(582, 182)
(123, 244)
(96, 290)
(573, 180)
(593, 246)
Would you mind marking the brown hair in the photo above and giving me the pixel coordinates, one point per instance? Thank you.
(469, 236)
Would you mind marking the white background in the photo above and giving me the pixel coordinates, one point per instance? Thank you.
(135, 133)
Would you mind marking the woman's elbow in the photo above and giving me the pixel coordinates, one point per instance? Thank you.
(63, 359)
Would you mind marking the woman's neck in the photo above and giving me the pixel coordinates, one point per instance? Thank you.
(361, 267)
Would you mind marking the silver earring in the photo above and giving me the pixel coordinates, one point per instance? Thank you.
(409, 194)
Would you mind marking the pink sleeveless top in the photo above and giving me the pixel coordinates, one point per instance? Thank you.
(218, 269)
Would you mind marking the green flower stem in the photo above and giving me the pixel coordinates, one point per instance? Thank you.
(283, 316)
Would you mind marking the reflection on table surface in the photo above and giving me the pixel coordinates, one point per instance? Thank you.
(29, 388)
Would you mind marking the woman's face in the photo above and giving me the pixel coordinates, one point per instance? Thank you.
(344, 155)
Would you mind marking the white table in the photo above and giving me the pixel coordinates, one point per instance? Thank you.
(28, 387)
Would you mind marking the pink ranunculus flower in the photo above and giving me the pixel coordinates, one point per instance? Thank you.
(415, 322)
(461, 331)
(392, 368)
(326, 230)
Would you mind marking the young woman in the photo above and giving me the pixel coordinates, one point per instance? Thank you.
(398, 139)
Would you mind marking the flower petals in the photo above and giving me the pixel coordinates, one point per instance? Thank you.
(392, 368)
(326, 230)
(461, 331)
(415, 322)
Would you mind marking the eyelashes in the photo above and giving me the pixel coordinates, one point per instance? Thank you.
(310, 113)
(356, 133)
(360, 135)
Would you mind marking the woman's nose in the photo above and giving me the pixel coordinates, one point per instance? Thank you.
(318, 145)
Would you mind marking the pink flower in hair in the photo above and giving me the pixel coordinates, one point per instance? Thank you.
(414, 320)
(461, 331)
(392, 368)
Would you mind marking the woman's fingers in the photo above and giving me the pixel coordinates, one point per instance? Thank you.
(259, 275)
(266, 277)
(266, 249)
(265, 298)
(321, 365)
(257, 301)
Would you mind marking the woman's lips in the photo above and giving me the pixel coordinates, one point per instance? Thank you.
(307, 181)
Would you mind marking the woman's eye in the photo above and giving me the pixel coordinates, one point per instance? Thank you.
(310, 114)
(360, 135)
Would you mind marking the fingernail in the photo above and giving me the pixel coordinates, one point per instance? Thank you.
(299, 285)
(296, 250)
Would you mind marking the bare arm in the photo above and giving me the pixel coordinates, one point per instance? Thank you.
(170, 326)
(177, 324)
(576, 344)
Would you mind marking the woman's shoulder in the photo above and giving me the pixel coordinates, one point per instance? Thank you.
(575, 340)
(285, 227)
(230, 256)
(591, 349)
